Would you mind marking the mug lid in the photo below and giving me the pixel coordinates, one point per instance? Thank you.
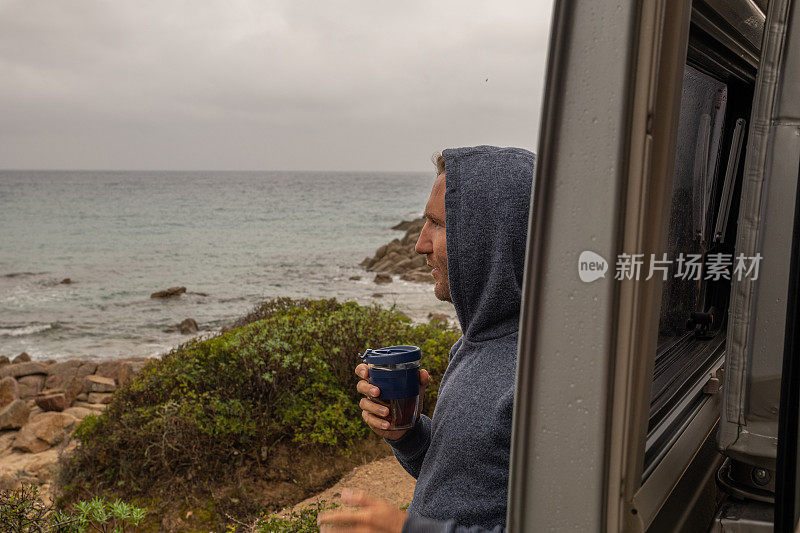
(392, 355)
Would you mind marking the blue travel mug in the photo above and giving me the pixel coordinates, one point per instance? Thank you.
(395, 371)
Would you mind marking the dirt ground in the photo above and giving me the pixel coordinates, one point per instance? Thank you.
(384, 478)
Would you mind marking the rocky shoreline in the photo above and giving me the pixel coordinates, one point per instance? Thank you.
(399, 258)
(42, 402)
(40, 405)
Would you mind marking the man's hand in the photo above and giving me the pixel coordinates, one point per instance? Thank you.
(375, 516)
(374, 413)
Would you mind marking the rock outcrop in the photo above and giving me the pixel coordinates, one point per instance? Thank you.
(44, 431)
(29, 389)
(399, 257)
(22, 358)
(14, 415)
(381, 278)
(189, 325)
(169, 293)
(52, 401)
(40, 405)
(9, 391)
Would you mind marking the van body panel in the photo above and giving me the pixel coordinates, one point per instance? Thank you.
(566, 324)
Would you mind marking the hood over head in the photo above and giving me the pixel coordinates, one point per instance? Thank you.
(487, 199)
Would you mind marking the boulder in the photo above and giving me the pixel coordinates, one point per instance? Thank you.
(120, 371)
(22, 358)
(82, 397)
(52, 401)
(395, 257)
(404, 266)
(95, 383)
(9, 482)
(79, 412)
(64, 375)
(138, 363)
(169, 293)
(101, 397)
(189, 325)
(43, 432)
(354, 278)
(365, 262)
(66, 281)
(18, 370)
(398, 256)
(381, 265)
(4, 360)
(394, 247)
(94, 407)
(9, 391)
(377, 295)
(14, 415)
(71, 387)
(383, 278)
(30, 386)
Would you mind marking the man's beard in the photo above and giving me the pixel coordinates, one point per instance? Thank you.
(442, 290)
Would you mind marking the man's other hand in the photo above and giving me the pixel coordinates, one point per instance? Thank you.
(375, 516)
(373, 412)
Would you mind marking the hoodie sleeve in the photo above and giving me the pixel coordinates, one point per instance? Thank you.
(420, 524)
(410, 448)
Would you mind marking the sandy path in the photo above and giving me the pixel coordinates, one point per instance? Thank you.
(384, 478)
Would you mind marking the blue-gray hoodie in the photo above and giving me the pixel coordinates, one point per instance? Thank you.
(460, 457)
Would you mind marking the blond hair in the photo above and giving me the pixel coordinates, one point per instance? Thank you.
(438, 161)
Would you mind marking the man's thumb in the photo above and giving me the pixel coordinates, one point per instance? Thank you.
(424, 377)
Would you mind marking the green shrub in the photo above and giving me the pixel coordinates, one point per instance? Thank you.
(284, 374)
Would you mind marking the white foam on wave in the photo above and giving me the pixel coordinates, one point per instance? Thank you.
(24, 330)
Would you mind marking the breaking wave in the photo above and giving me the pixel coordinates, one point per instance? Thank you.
(21, 331)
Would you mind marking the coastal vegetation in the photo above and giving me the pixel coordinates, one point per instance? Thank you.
(225, 429)
(23, 510)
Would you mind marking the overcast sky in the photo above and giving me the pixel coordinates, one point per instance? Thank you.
(260, 85)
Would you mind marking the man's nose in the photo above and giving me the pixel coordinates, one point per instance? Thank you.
(424, 245)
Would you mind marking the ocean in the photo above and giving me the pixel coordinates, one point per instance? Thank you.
(237, 237)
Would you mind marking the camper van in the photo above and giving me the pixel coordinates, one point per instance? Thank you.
(658, 378)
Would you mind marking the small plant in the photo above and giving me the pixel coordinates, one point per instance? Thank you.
(22, 510)
(302, 521)
(101, 515)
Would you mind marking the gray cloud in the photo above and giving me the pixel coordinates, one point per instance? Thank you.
(249, 84)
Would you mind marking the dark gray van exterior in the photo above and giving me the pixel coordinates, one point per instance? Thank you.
(653, 404)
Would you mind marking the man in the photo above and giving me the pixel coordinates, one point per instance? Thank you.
(474, 238)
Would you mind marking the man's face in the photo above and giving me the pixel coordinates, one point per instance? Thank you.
(433, 240)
